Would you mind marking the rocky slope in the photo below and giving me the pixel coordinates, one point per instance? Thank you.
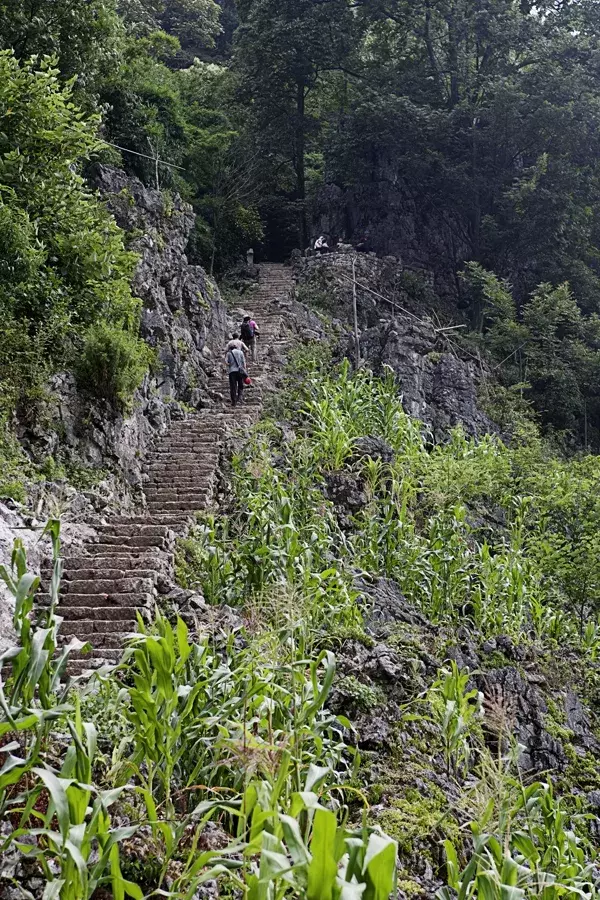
(185, 320)
(399, 329)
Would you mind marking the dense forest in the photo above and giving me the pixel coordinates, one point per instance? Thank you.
(345, 649)
(443, 133)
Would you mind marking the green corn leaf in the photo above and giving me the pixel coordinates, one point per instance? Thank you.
(348, 891)
(380, 867)
(488, 886)
(53, 889)
(322, 870)
(57, 788)
(293, 839)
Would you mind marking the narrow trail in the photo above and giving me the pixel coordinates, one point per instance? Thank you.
(118, 574)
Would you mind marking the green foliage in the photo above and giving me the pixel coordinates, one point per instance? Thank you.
(471, 530)
(549, 354)
(76, 847)
(534, 854)
(113, 362)
(83, 35)
(454, 711)
(64, 266)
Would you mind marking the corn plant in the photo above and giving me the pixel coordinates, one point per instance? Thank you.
(536, 854)
(35, 672)
(203, 716)
(305, 850)
(454, 710)
(32, 696)
(74, 844)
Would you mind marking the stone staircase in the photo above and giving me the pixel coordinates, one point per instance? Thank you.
(131, 560)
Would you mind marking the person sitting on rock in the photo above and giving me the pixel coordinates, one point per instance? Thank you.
(236, 344)
(321, 245)
(236, 366)
(249, 333)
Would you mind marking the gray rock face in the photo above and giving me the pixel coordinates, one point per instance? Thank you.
(183, 319)
(438, 381)
(437, 387)
(518, 704)
(386, 606)
(394, 222)
(374, 447)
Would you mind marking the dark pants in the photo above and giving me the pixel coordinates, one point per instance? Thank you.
(236, 386)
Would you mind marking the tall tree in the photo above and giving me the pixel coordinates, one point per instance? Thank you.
(84, 35)
(283, 51)
(486, 112)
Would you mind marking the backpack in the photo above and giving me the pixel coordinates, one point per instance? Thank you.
(247, 331)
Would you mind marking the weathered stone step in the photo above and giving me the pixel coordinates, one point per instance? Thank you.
(134, 540)
(180, 478)
(182, 481)
(173, 522)
(191, 503)
(208, 451)
(117, 549)
(107, 585)
(102, 639)
(184, 456)
(185, 492)
(113, 600)
(118, 628)
(101, 614)
(108, 655)
(131, 530)
(74, 576)
(99, 563)
(179, 504)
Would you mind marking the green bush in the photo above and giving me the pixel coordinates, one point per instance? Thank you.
(113, 363)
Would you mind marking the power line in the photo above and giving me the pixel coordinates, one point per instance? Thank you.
(145, 156)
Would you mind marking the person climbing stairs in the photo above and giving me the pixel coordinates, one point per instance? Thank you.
(117, 575)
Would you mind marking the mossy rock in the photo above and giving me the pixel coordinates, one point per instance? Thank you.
(420, 823)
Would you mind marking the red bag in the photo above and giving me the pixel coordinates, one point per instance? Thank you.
(247, 380)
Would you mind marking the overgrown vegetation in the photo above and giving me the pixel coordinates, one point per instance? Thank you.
(472, 530)
(234, 729)
(64, 271)
(212, 731)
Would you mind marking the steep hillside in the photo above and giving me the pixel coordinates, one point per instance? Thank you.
(379, 669)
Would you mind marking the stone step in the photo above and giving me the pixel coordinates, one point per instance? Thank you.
(99, 563)
(103, 629)
(113, 600)
(170, 475)
(108, 655)
(207, 452)
(100, 614)
(133, 540)
(173, 522)
(182, 481)
(131, 530)
(107, 585)
(190, 491)
(200, 500)
(116, 549)
(179, 505)
(74, 577)
(108, 639)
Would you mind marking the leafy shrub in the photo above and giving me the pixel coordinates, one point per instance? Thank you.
(113, 363)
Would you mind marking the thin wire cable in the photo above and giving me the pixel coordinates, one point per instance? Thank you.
(145, 156)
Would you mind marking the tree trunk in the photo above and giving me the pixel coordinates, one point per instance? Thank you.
(300, 157)
(453, 59)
